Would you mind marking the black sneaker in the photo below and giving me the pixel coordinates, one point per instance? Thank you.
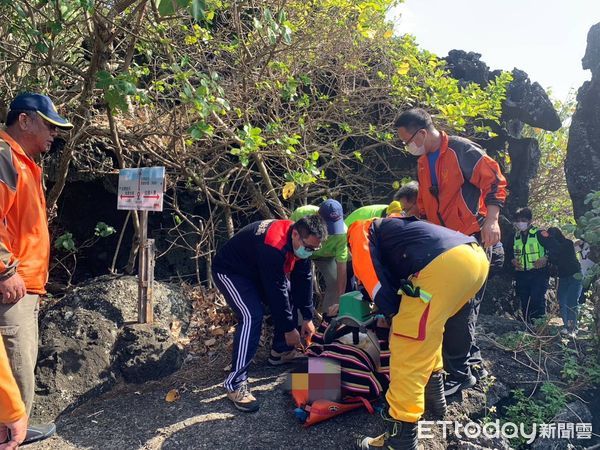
(479, 372)
(36, 433)
(243, 399)
(453, 386)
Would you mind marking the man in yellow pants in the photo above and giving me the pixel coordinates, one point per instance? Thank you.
(419, 274)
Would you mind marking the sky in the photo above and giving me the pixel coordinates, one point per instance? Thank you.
(545, 38)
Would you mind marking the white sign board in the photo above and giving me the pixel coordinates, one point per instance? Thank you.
(141, 189)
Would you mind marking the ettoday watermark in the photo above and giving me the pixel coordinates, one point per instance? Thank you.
(507, 430)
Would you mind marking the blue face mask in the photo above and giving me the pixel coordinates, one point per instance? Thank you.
(302, 253)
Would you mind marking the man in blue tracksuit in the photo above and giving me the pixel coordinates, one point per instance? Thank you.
(267, 262)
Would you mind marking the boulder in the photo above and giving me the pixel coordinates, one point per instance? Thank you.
(86, 343)
(529, 103)
(147, 352)
(75, 359)
(468, 67)
(526, 103)
(582, 166)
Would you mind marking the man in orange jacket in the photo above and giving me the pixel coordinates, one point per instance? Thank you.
(32, 124)
(461, 188)
(12, 409)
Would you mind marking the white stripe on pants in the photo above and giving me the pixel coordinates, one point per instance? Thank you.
(244, 334)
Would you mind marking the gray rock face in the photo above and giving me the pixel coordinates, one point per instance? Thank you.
(582, 167)
(86, 344)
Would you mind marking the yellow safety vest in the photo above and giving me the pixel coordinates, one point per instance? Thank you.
(531, 253)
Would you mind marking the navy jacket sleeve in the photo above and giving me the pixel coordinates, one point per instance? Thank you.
(276, 287)
(302, 288)
(369, 270)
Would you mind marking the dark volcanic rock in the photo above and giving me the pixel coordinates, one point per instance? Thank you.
(468, 67)
(147, 352)
(526, 103)
(529, 103)
(75, 361)
(582, 167)
(525, 158)
(86, 345)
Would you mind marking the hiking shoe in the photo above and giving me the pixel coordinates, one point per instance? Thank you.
(479, 372)
(37, 433)
(453, 386)
(243, 399)
(292, 356)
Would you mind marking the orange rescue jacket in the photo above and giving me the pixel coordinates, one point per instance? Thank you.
(468, 181)
(11, 404)
(24, 237)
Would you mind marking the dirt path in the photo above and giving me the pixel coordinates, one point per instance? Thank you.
(139, 418)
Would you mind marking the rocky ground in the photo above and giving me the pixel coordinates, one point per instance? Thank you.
(137, 415)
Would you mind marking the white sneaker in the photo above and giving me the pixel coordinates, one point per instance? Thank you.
(277, 359)
(243, 399)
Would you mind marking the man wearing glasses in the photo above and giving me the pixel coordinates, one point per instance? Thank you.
(461, 188)
(32, 124)
(267, 262)
(332, 258)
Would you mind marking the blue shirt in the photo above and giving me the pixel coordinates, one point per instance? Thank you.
(433, 157)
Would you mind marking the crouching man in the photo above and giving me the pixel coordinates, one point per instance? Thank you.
(419, 274)
(267, 263)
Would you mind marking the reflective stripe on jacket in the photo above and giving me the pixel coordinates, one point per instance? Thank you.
(529, 253)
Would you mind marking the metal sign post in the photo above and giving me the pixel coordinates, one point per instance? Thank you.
(142, 190)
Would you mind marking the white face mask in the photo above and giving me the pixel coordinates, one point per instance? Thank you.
(521, 226)
(415, 149)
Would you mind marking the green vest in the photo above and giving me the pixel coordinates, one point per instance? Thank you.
(532, 250)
